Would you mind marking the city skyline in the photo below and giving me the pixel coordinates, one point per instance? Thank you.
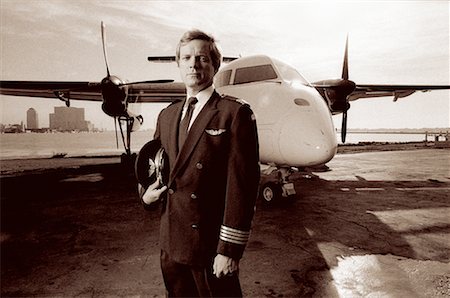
(351, 130)
(62, 119)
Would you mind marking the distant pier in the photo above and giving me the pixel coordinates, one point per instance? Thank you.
(439, 139)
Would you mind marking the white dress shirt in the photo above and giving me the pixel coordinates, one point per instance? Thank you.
(202, 98)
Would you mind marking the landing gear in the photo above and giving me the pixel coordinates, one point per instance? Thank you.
(128, 159)
(272, 192)
(126, 139)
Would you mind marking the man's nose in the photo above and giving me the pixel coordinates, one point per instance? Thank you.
(194, 62)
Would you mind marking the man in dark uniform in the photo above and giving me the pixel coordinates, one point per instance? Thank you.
(208, 204)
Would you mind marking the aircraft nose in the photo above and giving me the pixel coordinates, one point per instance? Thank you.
(307, 139)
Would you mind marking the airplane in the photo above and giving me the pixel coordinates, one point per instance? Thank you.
(294, 116)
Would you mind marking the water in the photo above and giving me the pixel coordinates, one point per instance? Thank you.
(354, 138)
(31, 145)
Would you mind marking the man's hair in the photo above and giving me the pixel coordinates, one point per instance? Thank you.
(194, 34)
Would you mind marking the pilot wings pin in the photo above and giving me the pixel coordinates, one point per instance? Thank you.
(215, 132)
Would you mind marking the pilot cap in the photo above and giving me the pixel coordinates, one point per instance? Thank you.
(152, 164)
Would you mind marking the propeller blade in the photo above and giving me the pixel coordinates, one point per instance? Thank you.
(345, 64)
(115, 129)
(170, 59)
(147, 82)
(345, 77)
(344, 126)
(104, 48)
(161, 59)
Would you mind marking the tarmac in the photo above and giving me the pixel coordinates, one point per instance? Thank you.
(374, 224)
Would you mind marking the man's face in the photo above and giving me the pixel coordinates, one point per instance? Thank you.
(196, 68)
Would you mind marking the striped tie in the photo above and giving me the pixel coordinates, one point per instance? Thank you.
(184, 124)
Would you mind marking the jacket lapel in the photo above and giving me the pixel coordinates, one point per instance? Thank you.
(195, 132)
(173, 133)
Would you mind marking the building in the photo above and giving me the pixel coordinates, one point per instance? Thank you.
(69, 119)
(12, 128)
(32, 119)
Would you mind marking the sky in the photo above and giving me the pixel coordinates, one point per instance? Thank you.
(390, 42)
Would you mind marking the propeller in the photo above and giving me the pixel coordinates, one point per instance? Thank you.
(107, 89)
(115, 90)
(345, 78)
(115, 98)
(336, 92)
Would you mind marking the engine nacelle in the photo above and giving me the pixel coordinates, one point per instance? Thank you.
(340, 105)
(114, 95)
(336, 92)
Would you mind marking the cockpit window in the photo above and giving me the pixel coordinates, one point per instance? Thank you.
(289, 74)
(254, 74)
(222, 78)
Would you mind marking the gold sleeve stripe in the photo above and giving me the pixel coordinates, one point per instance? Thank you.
(232, 241)
(235, 236)
(234, 231)
(225, 235)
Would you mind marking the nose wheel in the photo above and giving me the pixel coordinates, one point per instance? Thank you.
(272, 192)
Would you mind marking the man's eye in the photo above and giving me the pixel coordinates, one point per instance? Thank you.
(185, 58)
(204, 59)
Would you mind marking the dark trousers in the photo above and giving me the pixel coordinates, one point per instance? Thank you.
(187, 281)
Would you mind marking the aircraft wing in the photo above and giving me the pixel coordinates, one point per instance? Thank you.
(170, 59)
(48, 89)
(397, 91)
(92, 91)
(156, 92)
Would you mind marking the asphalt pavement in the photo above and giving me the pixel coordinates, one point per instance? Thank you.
(375, 224)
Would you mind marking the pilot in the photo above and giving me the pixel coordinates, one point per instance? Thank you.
(209, 200)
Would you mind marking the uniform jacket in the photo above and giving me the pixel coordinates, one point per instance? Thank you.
(213, 182)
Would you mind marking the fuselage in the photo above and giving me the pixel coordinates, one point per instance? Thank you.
(294, 122)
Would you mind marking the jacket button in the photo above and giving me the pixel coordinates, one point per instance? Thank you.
(194, 226)
(193, 196)
(199, 166)
(170, 191)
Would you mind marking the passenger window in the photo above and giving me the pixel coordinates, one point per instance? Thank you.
(254, 74)
(222, 78)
